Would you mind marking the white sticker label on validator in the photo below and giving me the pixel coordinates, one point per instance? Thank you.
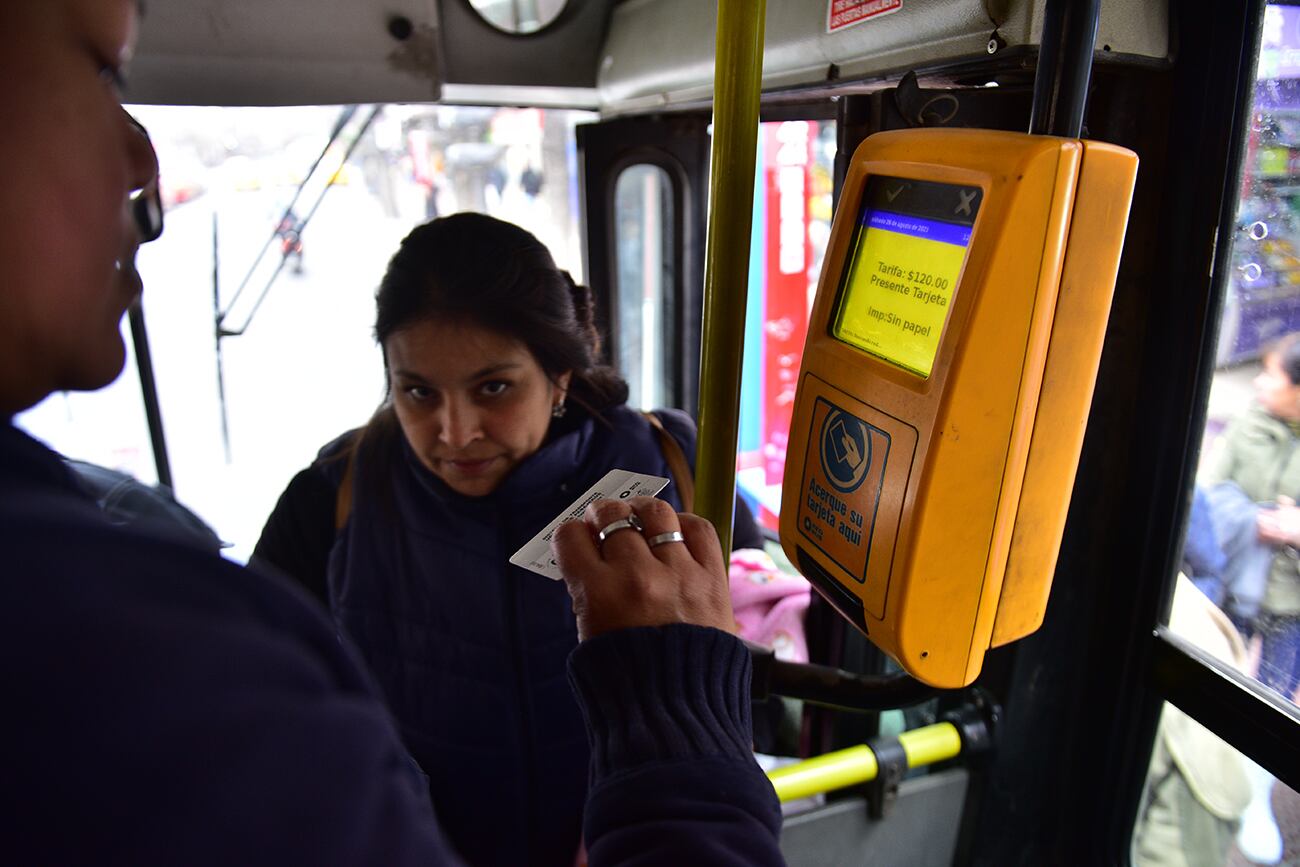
(616, 485)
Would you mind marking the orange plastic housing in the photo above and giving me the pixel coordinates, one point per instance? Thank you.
(929, 509)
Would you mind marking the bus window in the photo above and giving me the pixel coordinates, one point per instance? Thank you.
(792, 220)
(1237, 597)
(1240, 547)
(643, 205)
(303, 367)
(1202, 793)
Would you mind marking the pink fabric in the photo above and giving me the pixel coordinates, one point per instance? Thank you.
(769, 605)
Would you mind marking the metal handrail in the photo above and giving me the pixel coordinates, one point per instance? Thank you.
(857, 765)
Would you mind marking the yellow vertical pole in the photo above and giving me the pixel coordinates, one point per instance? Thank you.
(738, 80)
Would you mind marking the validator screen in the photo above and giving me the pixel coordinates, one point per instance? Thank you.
(907, 254)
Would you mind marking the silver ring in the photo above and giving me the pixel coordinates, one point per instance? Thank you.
(665, 538)
(631, 522)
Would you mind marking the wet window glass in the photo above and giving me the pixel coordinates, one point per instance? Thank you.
(645, 297)
(1244, 527)
(1204, 802)
(279, 223)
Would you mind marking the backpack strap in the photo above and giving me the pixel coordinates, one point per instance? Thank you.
(343, 499)
(678, 467)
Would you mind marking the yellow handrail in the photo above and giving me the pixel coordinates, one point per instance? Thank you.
(738, 81)
(856, 765)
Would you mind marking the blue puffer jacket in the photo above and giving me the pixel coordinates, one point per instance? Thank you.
(470, 650)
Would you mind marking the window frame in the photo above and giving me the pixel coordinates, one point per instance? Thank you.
(674, 337)
(676, 143)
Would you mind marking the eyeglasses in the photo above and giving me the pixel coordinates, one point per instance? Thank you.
(146, 202)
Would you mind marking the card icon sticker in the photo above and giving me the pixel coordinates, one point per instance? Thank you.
(846, 451)
(843, 476)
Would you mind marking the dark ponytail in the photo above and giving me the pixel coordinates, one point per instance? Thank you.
(599, 386)
(475, 269)
(1287, 349)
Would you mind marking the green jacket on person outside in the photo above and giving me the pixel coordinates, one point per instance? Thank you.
(1261, 454)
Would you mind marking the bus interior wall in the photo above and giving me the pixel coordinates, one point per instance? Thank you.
(1079, 707)
(1079, 699)
(1079, 713)
(1078, 717)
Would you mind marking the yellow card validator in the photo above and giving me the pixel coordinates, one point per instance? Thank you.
(536, 555)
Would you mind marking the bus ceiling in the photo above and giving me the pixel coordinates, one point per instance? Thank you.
(617, 57)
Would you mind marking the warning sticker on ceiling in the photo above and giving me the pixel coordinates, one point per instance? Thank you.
(841, 14)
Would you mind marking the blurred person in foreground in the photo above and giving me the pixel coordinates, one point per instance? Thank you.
(1198, 788)
(166, 706)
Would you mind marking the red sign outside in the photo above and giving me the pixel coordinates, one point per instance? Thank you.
(788, 156)
(845, 13)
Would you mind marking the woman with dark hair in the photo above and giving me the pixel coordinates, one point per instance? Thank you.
(1255, 472)
(499, 414)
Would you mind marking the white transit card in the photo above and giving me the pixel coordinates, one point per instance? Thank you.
(616, 485)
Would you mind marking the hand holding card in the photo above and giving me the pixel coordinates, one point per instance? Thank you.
(536, 556)
(636, 562)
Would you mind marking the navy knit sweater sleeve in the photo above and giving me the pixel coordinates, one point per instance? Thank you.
(673, 778)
